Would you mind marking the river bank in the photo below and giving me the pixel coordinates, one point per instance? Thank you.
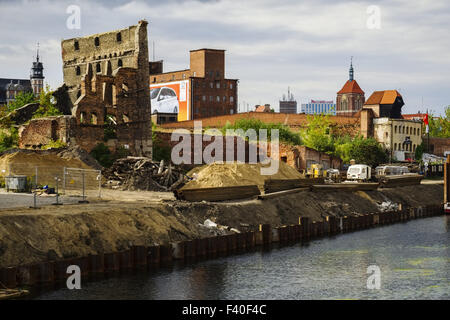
(53, 233)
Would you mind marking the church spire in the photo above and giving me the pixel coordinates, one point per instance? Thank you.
(351, 69)
(37, 53)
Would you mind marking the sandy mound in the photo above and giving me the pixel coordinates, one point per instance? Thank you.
(236, 174)
(24, 163)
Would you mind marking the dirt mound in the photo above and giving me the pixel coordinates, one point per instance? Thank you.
(24, 162)
(236, 174)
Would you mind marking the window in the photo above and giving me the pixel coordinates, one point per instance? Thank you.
(211, 98)
(93, 118)
(204, 98)
(231, 99)
(395, 129)
(78, 70)
(217, 73)
(211, 85)
(231, 86)
(395, 146)
(218, 99)
(414, 131)
(97, 41)
(217, 85)
(98, 68)
(403, 130)
(120, 63)
(82, 117)
(76, 45)
(224, 98)
(119, 37)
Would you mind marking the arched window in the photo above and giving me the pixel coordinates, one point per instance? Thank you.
(119, 37)
(82, 117)
(93, 118)
(78, 70)
(395, 129)
(120, 63)
(98, 67)
(97, 41)
(395, 146)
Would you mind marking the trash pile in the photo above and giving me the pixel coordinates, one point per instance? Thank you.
(143, 174)
(387, 206)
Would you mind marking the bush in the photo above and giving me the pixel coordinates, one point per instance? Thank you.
(54, 144)
(9, 140)
(285, 133)
(103, 155)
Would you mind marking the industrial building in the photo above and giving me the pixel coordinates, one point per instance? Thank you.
(288, 104)
(198, 92)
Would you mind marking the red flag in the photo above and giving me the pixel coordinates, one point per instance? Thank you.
(425, 120)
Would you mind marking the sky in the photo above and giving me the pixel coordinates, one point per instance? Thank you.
(270, 44)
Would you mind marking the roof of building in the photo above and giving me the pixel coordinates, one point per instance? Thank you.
(351, 86)
(414, 116)
(383, 97)
(207, 49)
(26, 83)
(262, 109)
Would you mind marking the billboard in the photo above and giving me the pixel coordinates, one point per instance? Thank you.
(171, 97)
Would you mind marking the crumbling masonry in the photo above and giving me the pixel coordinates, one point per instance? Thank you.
(106, 81)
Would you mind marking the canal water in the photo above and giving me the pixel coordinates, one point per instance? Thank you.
(413, 258)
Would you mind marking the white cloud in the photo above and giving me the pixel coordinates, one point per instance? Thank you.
(270, 44)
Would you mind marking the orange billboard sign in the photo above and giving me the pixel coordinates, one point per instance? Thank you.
(171, 97)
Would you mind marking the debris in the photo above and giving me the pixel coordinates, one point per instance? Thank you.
(141, 173)
(387, 206)
(208, 223)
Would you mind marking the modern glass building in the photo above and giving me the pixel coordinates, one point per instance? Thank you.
(318, 107)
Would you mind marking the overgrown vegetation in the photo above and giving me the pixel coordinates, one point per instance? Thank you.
(319, 135)
(286, 135)
(105, 157)
(46, 105)
(54, 144)
(440, 127)
(8, 139)
(160, 151)
(22, 98)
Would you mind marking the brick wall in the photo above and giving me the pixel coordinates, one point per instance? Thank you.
(437, 145)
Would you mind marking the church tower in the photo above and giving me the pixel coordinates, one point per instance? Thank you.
(37, 75)
(350, 98)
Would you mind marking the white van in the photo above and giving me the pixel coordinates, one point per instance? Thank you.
(359, 172)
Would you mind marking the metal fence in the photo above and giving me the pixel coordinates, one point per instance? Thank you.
(64, 180)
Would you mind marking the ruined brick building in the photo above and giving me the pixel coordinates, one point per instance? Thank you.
(108, 100)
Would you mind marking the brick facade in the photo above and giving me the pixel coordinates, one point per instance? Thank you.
(211, 93)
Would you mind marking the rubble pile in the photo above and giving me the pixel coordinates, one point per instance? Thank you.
(143, 174)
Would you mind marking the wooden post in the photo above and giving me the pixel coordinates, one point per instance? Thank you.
(447, 180)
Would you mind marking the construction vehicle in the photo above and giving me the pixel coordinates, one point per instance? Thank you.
(316, 171)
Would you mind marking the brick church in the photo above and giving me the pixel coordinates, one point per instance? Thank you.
(350, 99)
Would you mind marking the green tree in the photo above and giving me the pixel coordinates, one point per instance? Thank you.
(22, 98)
(317, 134)
(439, 127)
(367, 151)
(285, 133)
(46, 104)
